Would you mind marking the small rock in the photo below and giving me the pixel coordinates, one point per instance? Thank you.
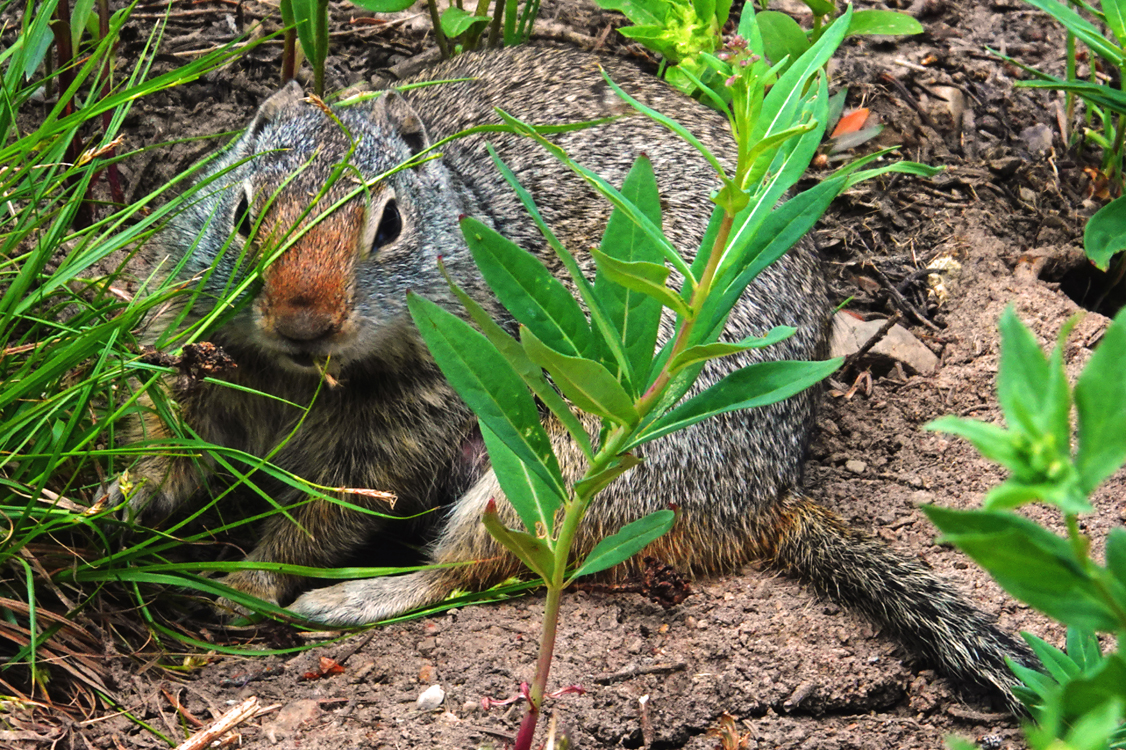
(801, 692)
(430, 698)
(1038, 138)
(1007, 166)
(289, 718)
(856, 466)
(899, 345)
(955, 101)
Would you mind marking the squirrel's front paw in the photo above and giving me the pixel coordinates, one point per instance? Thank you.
(141, 500)
(369, 600)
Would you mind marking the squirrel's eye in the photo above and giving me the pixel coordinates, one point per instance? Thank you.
(242, 218)
(390, 226)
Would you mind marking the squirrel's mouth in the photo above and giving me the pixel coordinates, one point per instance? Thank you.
(303, 360)
(310, 364)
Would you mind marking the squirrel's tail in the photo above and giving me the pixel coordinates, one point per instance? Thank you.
(898, 593)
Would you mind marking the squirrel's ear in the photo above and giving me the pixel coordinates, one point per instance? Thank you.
(393, 111)
(268, 112)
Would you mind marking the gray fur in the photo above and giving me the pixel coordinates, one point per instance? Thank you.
(394, 424)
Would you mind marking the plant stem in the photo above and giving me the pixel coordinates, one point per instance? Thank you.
(576, 509)
(436, 23)
(473, 38)
(1071, 77)
(494, 27)
(289, 56)
(320, 35)
(652, 396)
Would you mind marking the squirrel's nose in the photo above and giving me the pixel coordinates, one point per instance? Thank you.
(305, 324)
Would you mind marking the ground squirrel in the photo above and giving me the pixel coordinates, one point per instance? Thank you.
(392, 422)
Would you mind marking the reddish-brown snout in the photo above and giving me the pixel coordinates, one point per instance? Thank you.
(307, 292)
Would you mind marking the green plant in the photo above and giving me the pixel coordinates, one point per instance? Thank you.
(1079, 702)
(69, 367)
(1105, 116)
(55, 24)
(636, 393)
(689, 35)
(455, 29)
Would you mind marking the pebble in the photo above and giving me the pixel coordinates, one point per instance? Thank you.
(430, 698)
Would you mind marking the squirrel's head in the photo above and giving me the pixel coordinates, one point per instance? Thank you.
(322, 204)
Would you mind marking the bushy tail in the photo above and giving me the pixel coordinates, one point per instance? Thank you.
(897, 593)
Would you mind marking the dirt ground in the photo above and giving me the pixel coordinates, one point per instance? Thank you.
(795, 671)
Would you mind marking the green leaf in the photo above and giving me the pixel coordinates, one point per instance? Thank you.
(488, 385)
(780, 105)
(587, 383)
(637, 11)
(704, 352)
(991, 440)
(1029, 562)
(1095, 723)
(636, 315)
(593, 485)
(643, 277)
(821, 7)
(655, 38)
(1022, 374)
(534, 500)
(749, 30)
(1013, 493)
(456, 21)
(384, 6)
(779, 168)
(1101, 408)
(1105, 233)
(528, 290)
(632, 538)
(887, 22)
(37, 40)
(1083, 647)
(1098, 95)
(779, 231)
(680, 131)
(303, 12)
(1036, 399)
(781, 36)
(530, 372)
(1116, 19)
(531, 550)
(1087, 32)
(1058, 664)
(1038, 682)
(722, 12)
(80, 15)
(1116, 554)
(705, 9)
(1105, 683)
(606, 334)
(755, 385)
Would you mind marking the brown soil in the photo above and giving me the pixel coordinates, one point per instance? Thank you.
(795, 671)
